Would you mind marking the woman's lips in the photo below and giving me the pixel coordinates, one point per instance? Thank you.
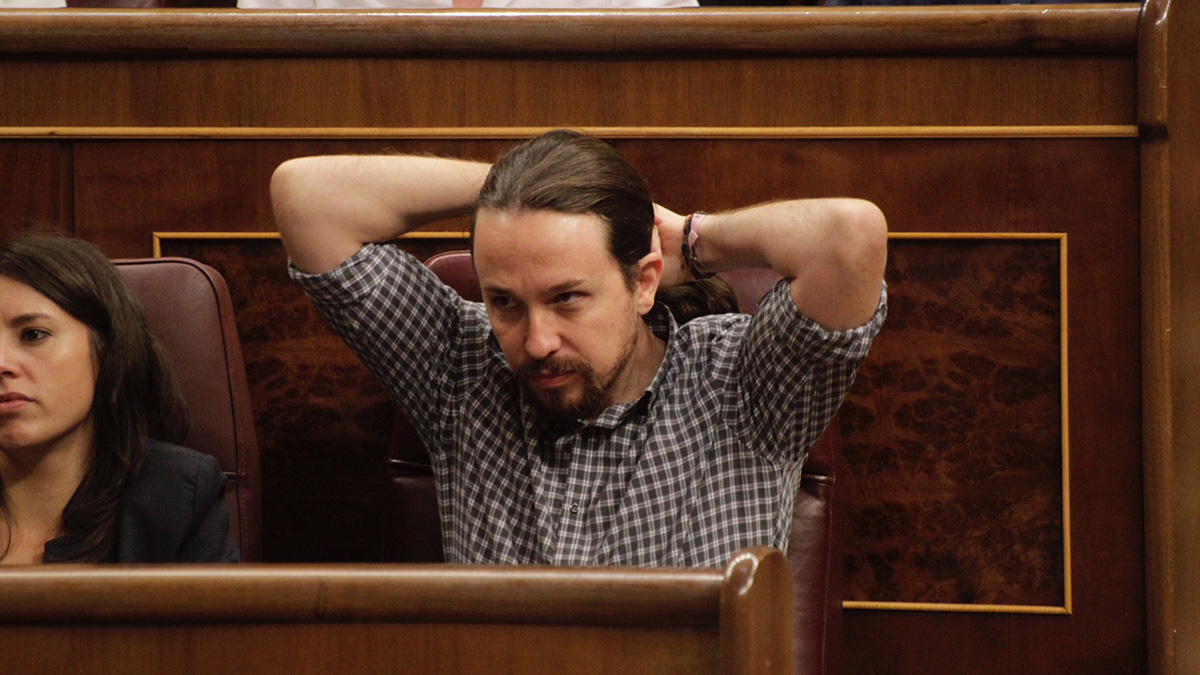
(12, 401)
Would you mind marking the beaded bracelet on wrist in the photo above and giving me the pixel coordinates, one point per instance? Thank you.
(691, 234)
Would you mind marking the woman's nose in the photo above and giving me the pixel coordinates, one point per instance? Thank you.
(8, 366)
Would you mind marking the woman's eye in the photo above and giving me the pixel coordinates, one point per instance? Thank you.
(33, 334)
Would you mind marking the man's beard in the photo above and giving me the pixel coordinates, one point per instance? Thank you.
(593, 399)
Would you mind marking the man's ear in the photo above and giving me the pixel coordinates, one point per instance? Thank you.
(650, 268)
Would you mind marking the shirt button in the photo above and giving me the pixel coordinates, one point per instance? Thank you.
(574, 507)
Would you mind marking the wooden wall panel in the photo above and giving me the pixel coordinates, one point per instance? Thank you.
(1044, 188)
(1086, 188)
(131, 189)
(919, 90)
(35, 186)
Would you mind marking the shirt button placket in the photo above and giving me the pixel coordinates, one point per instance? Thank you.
(565, 547)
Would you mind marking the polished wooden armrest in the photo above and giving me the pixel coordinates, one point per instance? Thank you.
(443, 618)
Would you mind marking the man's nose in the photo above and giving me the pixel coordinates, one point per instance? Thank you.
(541, 337)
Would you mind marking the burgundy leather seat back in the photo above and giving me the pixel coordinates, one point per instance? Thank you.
(814, 550)
(815, 556)
(412, 529)
(188, 308)
(815, 547)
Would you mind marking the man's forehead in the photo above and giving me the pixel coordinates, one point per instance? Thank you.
(518, 215)
(555, 245)
(538, 227)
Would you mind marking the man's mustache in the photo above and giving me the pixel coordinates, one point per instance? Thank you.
(550, 367)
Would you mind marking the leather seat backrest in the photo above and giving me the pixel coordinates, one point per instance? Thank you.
(188, 308)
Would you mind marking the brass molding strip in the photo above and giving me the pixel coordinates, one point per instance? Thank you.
(1066, 609)
(948, 607)
(516, 133)
(157, 238)
(981, 236)
(1066, 427)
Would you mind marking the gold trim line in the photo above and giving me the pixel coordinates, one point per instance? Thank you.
(158, 237)
(948, 607)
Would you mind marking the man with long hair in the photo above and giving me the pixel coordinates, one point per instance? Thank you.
(569, 418)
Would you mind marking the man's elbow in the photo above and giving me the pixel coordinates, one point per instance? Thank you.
(302, 202)
(864, 239)
(300, 207)
(285, 192)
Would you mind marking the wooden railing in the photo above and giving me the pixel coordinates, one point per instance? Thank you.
(435, 619)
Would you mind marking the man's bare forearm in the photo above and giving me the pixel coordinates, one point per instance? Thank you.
(327, 207)
(833, 250)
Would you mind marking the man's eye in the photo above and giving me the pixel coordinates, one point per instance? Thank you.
(501, 302)
(571, 296)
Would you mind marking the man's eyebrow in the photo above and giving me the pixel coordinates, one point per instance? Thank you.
(568, 285)
(493, 290)
(560, 287)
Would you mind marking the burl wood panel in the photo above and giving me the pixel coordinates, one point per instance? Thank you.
(322, 420)
(954, 430)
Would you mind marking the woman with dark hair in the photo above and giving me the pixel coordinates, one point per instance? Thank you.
(89, 409)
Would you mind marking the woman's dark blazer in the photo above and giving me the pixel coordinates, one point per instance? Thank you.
(175, 510)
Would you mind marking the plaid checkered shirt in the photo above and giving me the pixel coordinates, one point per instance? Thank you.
(704, 463)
